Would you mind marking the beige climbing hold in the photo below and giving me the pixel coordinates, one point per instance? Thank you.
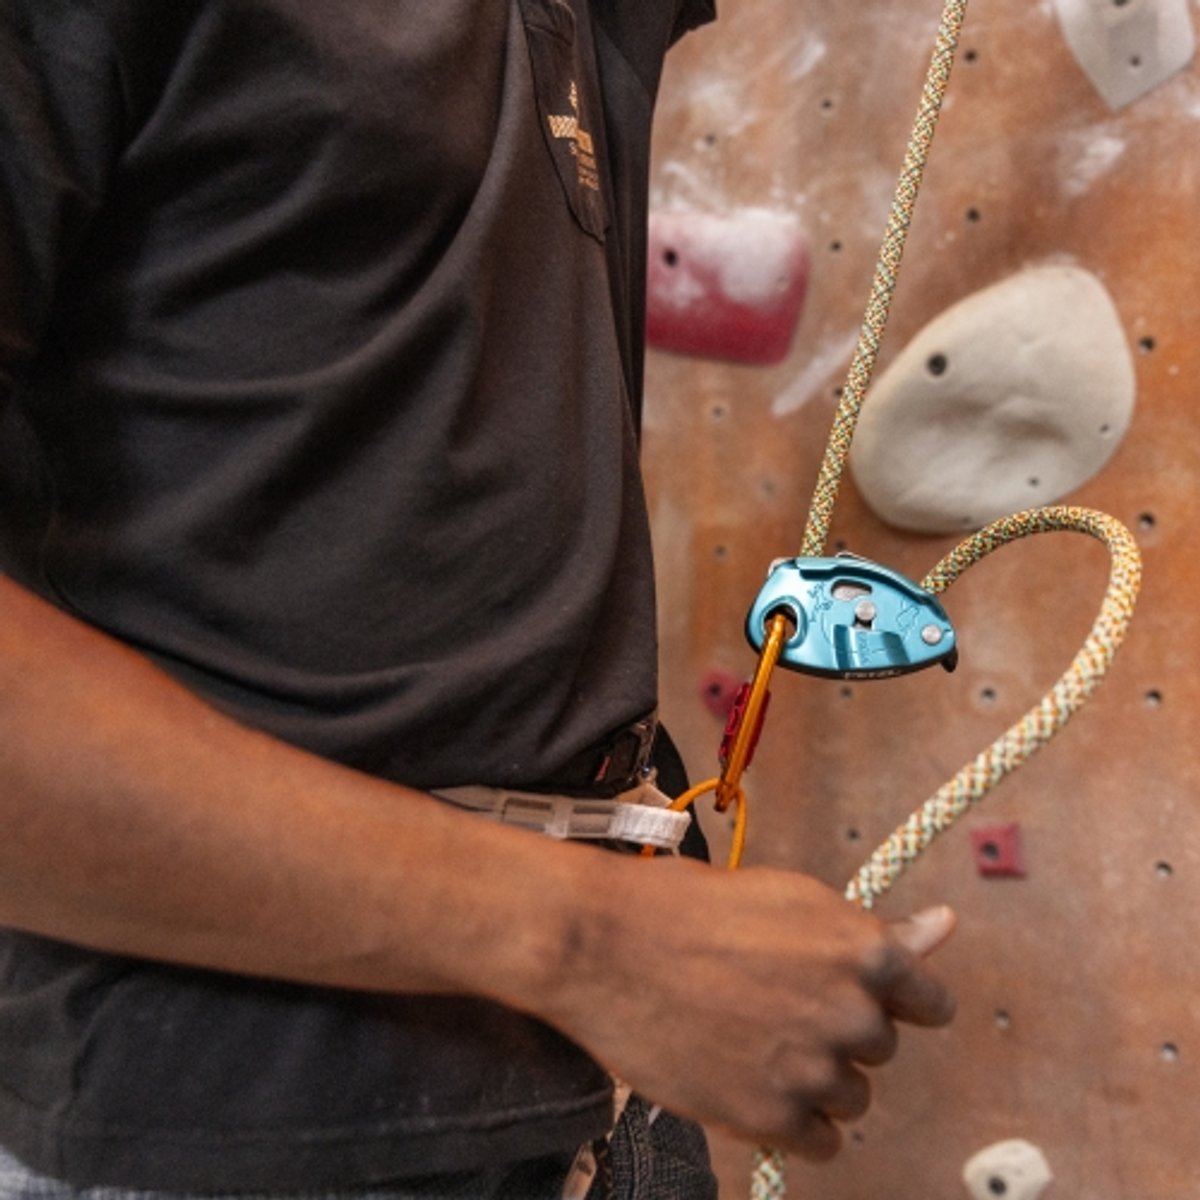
(1016, 1170)
(1127, 47)
(1008, 400)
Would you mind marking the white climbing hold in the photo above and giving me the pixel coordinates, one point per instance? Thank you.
(1008, 400)
(1127, 47)
(1013, 1170)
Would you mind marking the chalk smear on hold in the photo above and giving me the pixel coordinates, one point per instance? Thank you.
(751, 253)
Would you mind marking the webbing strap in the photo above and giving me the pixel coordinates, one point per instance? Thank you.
(642, 815)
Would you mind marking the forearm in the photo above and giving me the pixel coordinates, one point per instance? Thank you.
(139, 820)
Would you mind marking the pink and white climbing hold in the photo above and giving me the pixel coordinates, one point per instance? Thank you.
(726, 286)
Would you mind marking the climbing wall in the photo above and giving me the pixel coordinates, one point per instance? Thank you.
(1077, 882)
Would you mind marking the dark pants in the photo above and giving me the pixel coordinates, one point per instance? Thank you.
(663, 1160)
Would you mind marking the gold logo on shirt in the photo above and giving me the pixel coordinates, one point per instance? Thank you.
(567, 128)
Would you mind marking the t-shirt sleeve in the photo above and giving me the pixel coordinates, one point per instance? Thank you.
(692, 14)
(60, 117)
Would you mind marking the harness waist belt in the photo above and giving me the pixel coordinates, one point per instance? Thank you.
(640, 814)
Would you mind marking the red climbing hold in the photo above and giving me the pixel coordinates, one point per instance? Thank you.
(729, 287)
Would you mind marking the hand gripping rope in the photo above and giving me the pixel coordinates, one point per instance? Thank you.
(780, 623)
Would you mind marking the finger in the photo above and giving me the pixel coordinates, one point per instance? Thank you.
(819, 1138)
(924, 931)
(877, 1047)
(850, 1099)
(910, 993)
(918, 998)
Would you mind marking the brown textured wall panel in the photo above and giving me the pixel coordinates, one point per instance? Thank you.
(1079, 985)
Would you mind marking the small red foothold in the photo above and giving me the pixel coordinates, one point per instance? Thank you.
(998, 850)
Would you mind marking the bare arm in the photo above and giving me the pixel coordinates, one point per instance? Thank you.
(139, 820)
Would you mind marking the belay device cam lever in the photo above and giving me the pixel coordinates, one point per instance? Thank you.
(852, 619)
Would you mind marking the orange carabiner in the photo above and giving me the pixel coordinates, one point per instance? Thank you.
(741, 735)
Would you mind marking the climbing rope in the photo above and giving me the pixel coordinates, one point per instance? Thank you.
(1041, 722)
(979, 776)
(1045, 719)
(883, 285)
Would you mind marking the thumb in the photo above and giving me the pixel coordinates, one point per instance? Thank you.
(924, 931)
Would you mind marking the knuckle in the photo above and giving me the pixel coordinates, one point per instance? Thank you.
(881, 1047)
(819, 1139)
(858, 1100)
(781, 1119)
(856, 1021)
(853, 1098)
(808, 1075)
(871, 1035)
(820, 1079)
(882, 963)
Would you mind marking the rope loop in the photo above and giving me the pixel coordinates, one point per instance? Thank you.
(1046, 718)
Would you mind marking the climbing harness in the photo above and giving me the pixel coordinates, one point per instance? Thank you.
(642, 814)
(846, 617)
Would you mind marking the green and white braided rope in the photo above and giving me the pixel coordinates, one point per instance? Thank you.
(769, 1179)
(883, 285)
(1023, 739)
(1044, 720)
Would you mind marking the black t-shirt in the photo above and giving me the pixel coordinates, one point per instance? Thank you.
(320, 339)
